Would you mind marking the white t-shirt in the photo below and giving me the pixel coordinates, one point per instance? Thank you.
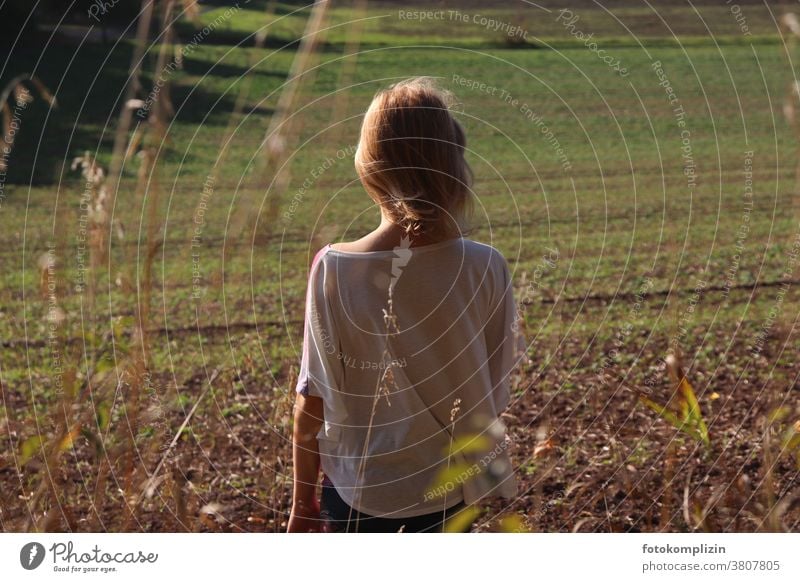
(412, 391)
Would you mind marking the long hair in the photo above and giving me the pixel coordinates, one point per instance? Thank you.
(410, 159)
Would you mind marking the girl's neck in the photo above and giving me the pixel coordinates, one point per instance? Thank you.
(386, 237)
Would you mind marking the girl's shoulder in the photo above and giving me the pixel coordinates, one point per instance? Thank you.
(484, 249)
(484, 255)
(464, 246)
(469, 255)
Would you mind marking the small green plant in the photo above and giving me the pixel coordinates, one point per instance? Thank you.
(683, 410)
(787, 432)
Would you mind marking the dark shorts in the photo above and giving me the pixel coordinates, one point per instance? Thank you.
(340, 517)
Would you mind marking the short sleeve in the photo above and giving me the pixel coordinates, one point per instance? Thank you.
(504, 340)
(321, 368)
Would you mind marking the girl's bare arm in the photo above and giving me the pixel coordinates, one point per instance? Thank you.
(308, 418)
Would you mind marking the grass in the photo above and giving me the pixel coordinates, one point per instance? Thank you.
(623, 214)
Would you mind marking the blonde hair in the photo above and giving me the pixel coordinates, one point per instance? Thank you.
(410, 159)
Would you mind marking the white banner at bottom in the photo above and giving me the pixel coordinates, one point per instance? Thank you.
(398, 557)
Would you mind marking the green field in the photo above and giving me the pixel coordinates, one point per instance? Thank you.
(638, 212)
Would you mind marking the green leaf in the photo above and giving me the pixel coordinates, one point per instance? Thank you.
(104, 364)
(30, 447)
(462, 520)
(103, 415)
(791, 439)
(694, 416)
(469, 444)
(451, 476)
(690, 418)
(662, 411)
(513, 524)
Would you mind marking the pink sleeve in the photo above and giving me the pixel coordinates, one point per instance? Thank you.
(320, 364)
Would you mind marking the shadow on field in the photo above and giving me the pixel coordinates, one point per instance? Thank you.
(88, 81)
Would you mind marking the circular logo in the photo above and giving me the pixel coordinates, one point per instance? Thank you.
(31, 555)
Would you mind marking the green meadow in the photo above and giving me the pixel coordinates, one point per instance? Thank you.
(641, 211)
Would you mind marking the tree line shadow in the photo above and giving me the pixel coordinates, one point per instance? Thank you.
(88, 82)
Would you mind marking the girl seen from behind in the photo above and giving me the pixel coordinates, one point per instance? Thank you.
(409, 340)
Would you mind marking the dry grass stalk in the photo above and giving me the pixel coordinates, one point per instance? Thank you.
(151, 481)
(179, 481)
(781, 440)
(545, 463)
(191, 10)
(665, 520)
(342, 97)
(132, 87)
(242, 96)
(22, 97)
(789, 29)
(95, 199)
(163, 109)
(133, 367)
(384, 384)
(348, 70)
(283, 127)
(148, 188)
(235, 118)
